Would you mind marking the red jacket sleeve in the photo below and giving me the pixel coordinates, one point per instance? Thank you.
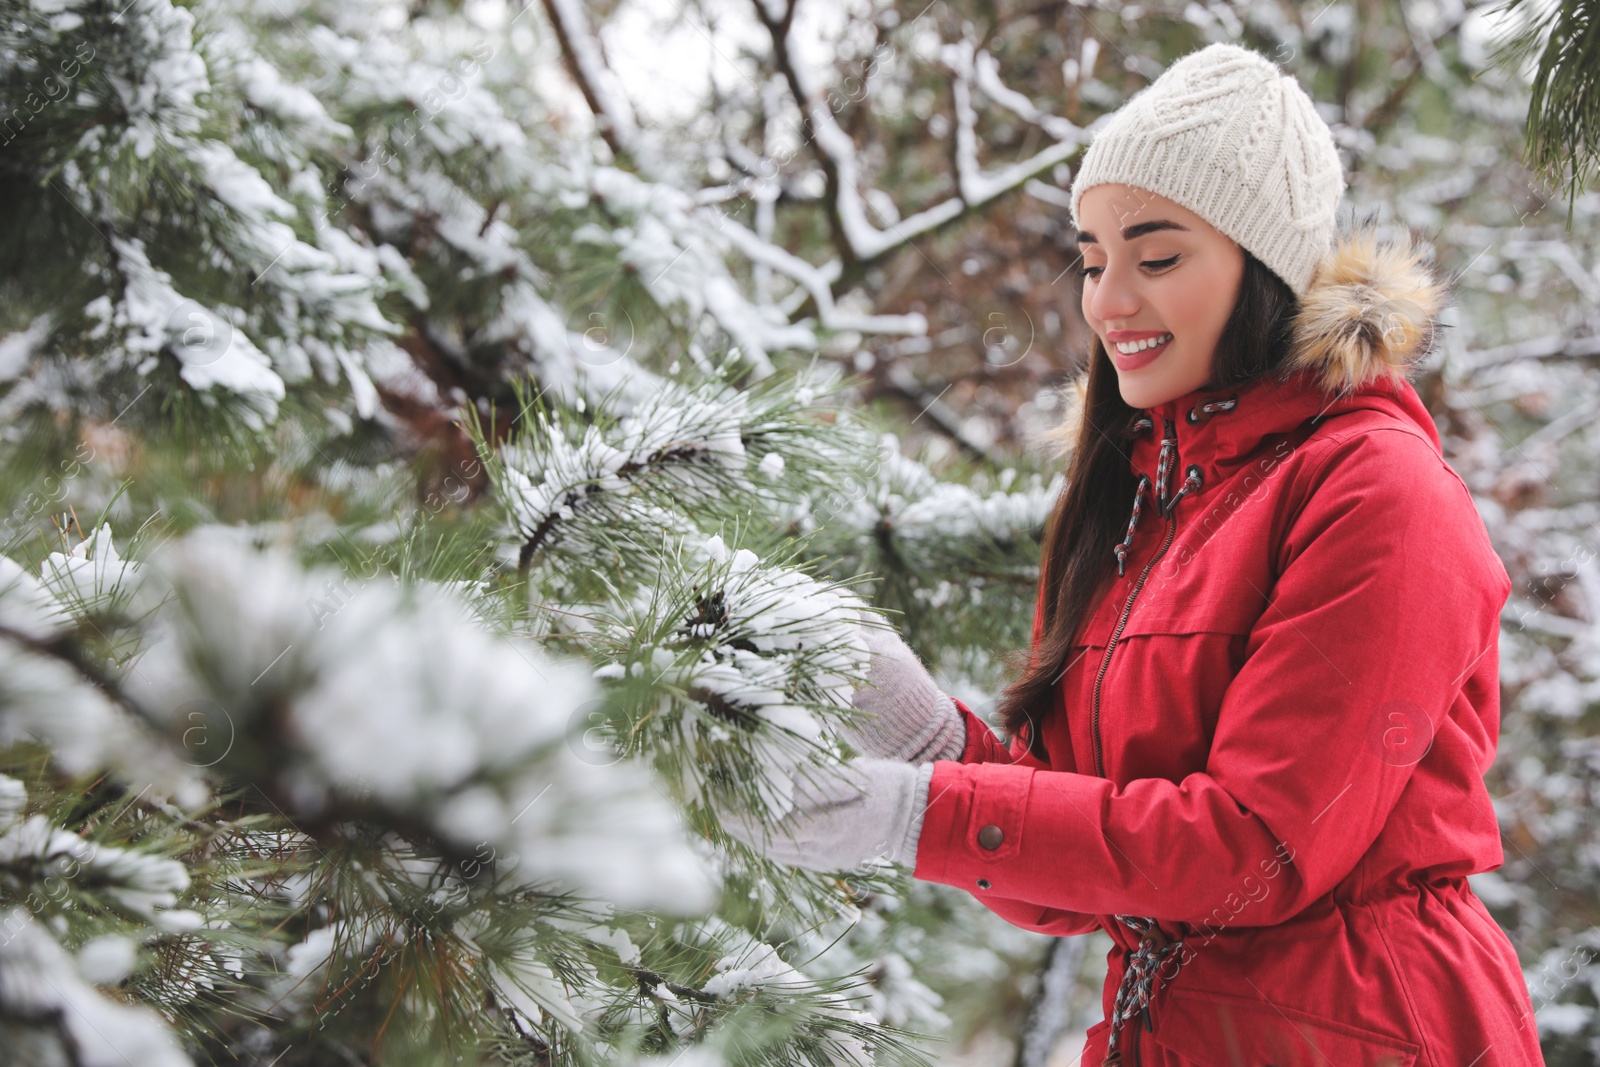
(984, 746)
(1387, 596)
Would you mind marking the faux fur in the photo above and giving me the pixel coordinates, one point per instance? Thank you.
(1061, 437)
(1370, 314)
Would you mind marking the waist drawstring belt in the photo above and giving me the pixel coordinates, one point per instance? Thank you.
(1138, 981)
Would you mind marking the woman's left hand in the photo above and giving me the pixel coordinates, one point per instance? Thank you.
(844, 816)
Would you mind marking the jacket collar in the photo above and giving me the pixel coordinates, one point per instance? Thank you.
(1369, 316)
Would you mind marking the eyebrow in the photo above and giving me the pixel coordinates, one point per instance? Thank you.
(1138, 229)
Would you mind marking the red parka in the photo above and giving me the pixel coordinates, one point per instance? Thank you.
(1272, 733)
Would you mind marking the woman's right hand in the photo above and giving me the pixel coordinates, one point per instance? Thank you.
(906, 717)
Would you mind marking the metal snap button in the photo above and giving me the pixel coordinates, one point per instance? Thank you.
(990, 837)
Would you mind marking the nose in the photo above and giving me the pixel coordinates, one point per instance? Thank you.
(1112, 298)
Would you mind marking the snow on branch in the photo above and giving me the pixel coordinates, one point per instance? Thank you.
(814, 282)
(984, 71)
(977, 187)
(598, 84)
(144, 885)
(936, 530)
(52, 696)
(52, 1014)
(751, 970)
(760, 657)
(837, 154)
(699, 450)
(347, 698)
(1550, 347)
(153, 318)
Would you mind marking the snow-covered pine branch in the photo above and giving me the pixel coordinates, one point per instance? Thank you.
(730, 672)
(903, 517)
(704, 451)
(341, 701)
(238, 307)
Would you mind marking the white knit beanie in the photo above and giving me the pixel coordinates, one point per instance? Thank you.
(1225, 133)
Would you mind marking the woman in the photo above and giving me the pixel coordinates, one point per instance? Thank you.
(1250, 740)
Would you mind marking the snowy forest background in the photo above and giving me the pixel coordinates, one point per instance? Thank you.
(443, 443)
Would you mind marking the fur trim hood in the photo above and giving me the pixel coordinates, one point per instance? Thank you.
(1368, 318)
(1371, 314)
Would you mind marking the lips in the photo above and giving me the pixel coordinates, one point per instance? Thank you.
(1138, 359)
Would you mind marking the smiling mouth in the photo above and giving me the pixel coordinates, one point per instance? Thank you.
(1133, 348)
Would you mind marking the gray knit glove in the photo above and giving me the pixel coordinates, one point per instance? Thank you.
(845, 816)
(907, 717)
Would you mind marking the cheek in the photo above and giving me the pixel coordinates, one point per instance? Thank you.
(1201, 310)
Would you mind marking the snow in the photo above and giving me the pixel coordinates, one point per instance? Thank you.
(1563, 1018)
(18, 349)
(264, 86)
(57, 1016)
(754, 965)
(90, 575)
(929, 515)
(152, 315)
(786, 645)
(613, 105)
(401, 696)
(48, 701)
(27, 605)
(161, 98)
(108, 959)
(13, 799)
(550, 475)
(142, 883)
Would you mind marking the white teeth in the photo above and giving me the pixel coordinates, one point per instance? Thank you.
(1128, 348)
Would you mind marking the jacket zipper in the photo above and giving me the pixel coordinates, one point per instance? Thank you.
(1134, 1053)
(1116, 634)
(1135, 1057)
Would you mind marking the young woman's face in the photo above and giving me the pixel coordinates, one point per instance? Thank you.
(1155, 270)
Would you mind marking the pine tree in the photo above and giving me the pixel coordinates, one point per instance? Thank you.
(384, 707)
(431, 502)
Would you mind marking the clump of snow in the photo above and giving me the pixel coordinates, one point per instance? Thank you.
(55, 1016)
(691, 439)
(90, 575)
(140, 882)
(44, 699)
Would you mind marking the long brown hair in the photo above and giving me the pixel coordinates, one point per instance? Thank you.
(1092, 512)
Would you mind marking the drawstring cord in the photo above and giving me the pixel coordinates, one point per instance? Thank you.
(1204, 410)
(1138, 981)
(1169, 447)
(1191, 483)
(1120, 549)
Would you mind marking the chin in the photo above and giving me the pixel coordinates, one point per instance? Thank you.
(1149, 392)
(1146, 394)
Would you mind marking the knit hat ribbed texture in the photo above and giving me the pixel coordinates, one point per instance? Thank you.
(1228, 135)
